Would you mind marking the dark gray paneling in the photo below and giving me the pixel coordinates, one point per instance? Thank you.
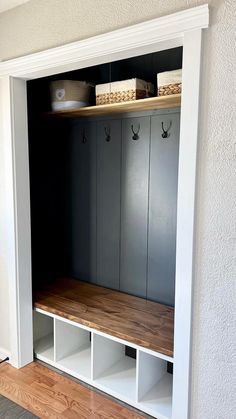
(81, 216)
(108, 203)
(162, 209)
(134, 206)
(102, 226)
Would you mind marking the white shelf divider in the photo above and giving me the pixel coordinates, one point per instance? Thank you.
(154, 386)
(73, 348)
(43, 336)
(112, 369)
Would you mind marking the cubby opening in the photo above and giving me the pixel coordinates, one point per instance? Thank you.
(155, 385)
(73, 348)
(113, 369)
(43, 327)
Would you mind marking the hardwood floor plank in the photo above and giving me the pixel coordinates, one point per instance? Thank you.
(105, 412)
(84, 407)
(79, 394)
(24, 398)
(37, 376)
(16, 375)
(50, 395)
(71, 414)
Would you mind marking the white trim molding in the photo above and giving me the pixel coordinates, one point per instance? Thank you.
(179, 29)
(14, 135)
(185, 218)
(156, 34)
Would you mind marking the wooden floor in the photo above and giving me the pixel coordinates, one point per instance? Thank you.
(48, 394)
(134, 319)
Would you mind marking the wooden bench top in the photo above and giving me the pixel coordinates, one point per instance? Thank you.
(136, 320)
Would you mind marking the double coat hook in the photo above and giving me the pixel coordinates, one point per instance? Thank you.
(84, 138)
(108, 133)
(135, 134)
(165, 132)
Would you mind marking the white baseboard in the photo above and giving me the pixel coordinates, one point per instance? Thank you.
(4, 353)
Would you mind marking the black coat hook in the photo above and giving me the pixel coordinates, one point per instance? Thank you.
(165, 133)
(107, 133)
(136, 134)
(84, 138)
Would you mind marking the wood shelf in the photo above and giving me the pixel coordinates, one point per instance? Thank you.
(144, 323)
(154, 103)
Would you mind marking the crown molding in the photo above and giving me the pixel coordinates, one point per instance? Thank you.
(153, 35)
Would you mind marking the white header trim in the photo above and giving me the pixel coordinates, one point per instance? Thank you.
(156, 34)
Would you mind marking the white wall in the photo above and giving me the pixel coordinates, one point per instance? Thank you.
(41, 24)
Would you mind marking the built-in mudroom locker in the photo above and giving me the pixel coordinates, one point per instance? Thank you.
(103, 179)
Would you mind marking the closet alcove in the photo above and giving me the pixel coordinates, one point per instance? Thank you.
(103, 222)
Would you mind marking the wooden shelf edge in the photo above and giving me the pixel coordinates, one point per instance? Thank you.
(144, 323)
(160, 349)
(153, 103)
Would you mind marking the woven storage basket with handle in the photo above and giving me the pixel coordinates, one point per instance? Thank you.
(123, 91)
(169, 82)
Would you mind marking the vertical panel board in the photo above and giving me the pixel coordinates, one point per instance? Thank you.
(82, 201)
(108, 203)
(134, 206)
(162, 208)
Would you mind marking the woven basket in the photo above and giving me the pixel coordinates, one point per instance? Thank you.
(169, 83)
(170, 89)
(123, 91)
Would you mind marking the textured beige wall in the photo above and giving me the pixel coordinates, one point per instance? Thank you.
(10, 4)
(41, 24)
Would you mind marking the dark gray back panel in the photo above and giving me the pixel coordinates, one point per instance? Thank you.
(162, 209)
(134, 206)
(108, 203)
(121, 204)
(81, 213)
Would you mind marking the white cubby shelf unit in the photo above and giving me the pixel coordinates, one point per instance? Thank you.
(104, 362)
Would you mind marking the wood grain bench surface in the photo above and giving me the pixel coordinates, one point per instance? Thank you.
(136, 320)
